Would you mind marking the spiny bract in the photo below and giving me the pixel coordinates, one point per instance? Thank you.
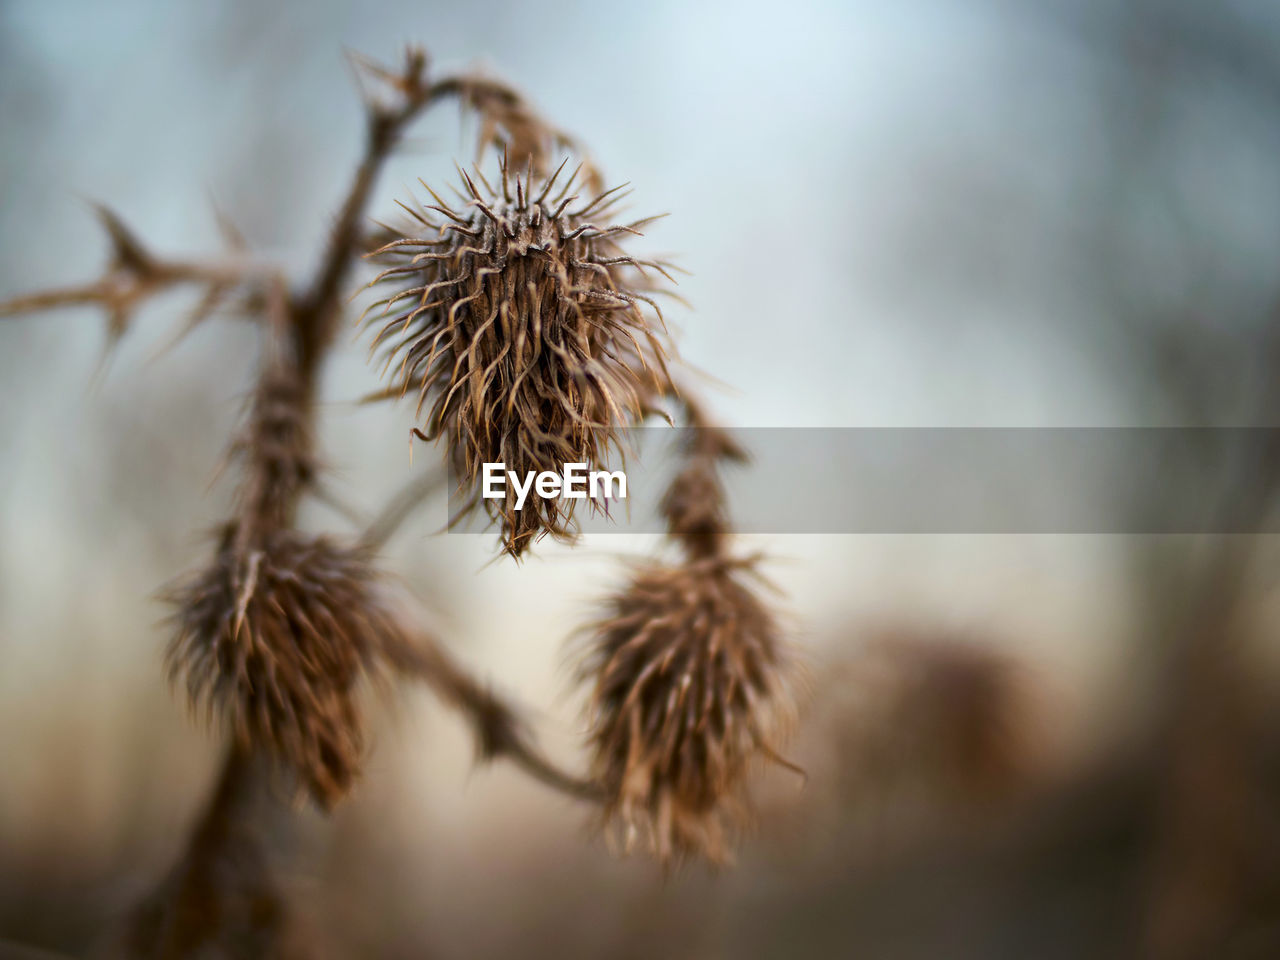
(528, 335)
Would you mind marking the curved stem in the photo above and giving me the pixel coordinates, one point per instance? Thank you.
(398, 509)
(498, 731)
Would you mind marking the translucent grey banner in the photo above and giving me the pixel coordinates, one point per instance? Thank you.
(958, 480)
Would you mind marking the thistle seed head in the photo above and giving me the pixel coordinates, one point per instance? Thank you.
(529, 336)
(689, 685)
(275, 639)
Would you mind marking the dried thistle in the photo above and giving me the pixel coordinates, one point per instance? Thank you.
(527, 332)
(688, 670)
(275, 638)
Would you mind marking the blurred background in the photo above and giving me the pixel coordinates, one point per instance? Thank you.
(919, 214)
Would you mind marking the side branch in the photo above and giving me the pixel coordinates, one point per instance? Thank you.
(398, 509)
(497, 728)
(134, 274)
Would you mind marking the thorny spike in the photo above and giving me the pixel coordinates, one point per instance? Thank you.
(127, 250)
(462, 197)
(487, 211)
(414, 213)
(467, 180)
(560, 209)
(480, 173)
(592, 205)
(231, 234)
(546, 187)
(448, 211)
(568, 184)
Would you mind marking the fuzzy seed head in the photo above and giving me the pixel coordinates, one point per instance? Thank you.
(689, 686)
(527, 334)
(275, 640)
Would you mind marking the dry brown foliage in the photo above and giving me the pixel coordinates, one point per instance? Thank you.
(529, 335)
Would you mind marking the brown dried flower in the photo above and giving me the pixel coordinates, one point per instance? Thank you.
(275, 638)
(528, 331)
(689, 674)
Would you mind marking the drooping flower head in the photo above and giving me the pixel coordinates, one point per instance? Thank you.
(689, 676)
(530, 337)
(275, 639)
